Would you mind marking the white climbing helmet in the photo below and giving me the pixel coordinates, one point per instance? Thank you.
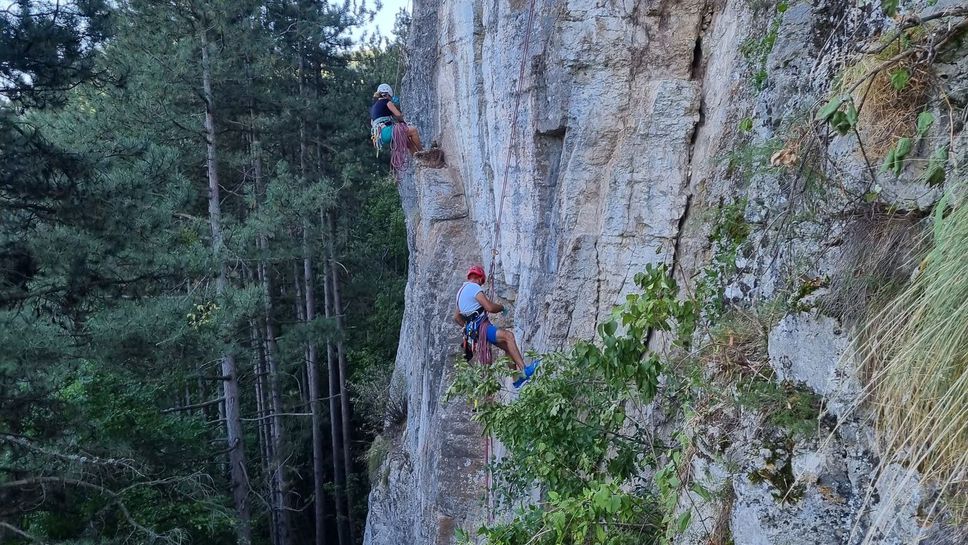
(385, 88)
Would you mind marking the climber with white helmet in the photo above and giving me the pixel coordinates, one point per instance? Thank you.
(384, 113)
(472, 308)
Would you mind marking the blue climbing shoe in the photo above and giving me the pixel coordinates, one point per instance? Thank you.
(528, 372)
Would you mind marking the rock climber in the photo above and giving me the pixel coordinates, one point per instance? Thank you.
(472, 308)
(383, 114)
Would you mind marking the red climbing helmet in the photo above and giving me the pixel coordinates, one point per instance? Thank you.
(476, 270)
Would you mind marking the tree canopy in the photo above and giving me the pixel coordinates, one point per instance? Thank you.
(127, 283)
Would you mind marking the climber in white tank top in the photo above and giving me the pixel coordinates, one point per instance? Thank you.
(473, 305)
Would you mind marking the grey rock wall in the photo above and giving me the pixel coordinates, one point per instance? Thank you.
(629, 114)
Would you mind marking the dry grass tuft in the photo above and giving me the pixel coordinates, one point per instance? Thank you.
(887, 113)
(739, 342)
(915, 354)
(883, 248)
(376, 455)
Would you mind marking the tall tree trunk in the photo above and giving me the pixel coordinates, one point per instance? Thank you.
(334, 421)
(276, 427)
(258, 373)
(261, 404)
(312, 357)
(341, 358)
(202, 393)
(299, 300)
(315, 395)
(230, 381)
(301, 316)
(300, 305)
(279, 481)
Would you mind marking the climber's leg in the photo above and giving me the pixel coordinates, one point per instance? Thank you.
(504, 340)
(413, 139)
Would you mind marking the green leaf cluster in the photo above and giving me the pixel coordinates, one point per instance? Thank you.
(842, 121)
(757, 51)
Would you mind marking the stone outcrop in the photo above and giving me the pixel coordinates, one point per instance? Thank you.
(629, 140)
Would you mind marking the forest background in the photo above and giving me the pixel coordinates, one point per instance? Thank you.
(202, 268)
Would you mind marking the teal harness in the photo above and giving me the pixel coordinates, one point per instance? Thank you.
(381, 132)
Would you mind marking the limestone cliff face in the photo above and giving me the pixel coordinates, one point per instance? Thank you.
(630, 113)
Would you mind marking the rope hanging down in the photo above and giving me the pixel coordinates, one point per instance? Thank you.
(399, 141)
(488, 447)
(514, 133)
(400, 45)
(399, 147)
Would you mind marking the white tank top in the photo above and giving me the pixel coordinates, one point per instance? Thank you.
(467, 297)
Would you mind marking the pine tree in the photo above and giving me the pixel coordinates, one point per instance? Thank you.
(148, 310)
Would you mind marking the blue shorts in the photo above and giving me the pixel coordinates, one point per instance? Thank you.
(491, 333)
(386, 135)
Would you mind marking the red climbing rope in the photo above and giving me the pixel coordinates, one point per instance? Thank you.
(488, 446)
(399, 146)
(399, 150)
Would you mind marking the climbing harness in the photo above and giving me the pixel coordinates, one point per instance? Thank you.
(476, 323)
(475, 337)
(381, 133)
(385, 132)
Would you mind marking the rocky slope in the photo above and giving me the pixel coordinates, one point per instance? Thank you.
(639, 121)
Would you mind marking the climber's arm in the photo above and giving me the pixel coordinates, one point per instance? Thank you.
(488, 305)
(395, 111)
(458, 318)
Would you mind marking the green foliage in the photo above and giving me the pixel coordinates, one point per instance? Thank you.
(757, 52)
(575, 519)
(376, 250)
(894, 162)
(44, 51)
(731, 229)
(376, 455)
(786, 405)
(899, 79)
(842, 121)
(727, 237)
(935, 173)
(889, 7)
(573, 434)
(830, 108)
(669, 486)
(925, 121)
(747, 160)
